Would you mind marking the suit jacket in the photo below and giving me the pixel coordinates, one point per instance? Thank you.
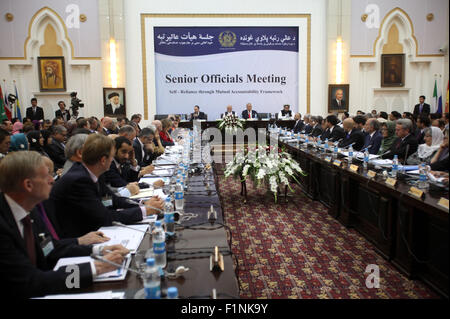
(399, 147)
(356, 136)
(55, 151)
(335, 106)
(109, 110)
(79, 208)
(335, 135)
(420, 136)
(66, 116)
(226, 113)
(298, 127)
(245, 114)
(425, 109)
(121, 178)
(39, 115)
(201, 116)
(19, 277)
(307, 128)
(316, 131)
(148, 156)
(374, 142)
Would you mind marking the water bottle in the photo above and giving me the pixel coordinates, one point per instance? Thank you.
(169, 217)
(335, 151)
(179, 196)
(350, 154)
(159, 245)
(395, 166)
(423, 178)
(152, 280)
(326, 146)
(172, 293)
(366, 158)
(184, 181)
(298, 140)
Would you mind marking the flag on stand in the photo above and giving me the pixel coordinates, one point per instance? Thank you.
(439, 98)
(7, 106)
(434, 103)
(17, 110)
(2, 107)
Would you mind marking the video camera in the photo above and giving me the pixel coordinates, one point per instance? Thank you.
(75, 103)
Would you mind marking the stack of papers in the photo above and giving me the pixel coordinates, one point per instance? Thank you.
(160, 172)
(115, 275)
(151, 179)
(143, 193)
(129, 238)
(94, 295)
(382, 162)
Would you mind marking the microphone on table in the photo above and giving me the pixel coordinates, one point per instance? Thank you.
(99, 258)
(406, 154)
(125, 226)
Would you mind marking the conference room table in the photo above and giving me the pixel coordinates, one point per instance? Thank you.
(409, 230)
(256, 123)
(191, 248)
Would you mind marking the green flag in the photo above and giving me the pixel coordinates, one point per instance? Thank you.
(2, 107)
(435, 98)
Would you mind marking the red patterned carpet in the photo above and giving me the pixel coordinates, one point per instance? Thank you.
(296, 250)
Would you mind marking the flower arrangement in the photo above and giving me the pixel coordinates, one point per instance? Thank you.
(266, 165)
(231, 123)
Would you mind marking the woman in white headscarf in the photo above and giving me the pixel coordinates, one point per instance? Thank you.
(433, 139)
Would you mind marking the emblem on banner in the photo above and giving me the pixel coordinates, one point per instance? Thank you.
(227, 39)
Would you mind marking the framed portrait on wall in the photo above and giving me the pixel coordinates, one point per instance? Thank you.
(338, 97)
(392, 70)
(52, 74)
(114, 102)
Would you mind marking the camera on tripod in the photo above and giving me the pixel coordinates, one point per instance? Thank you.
(75, 103)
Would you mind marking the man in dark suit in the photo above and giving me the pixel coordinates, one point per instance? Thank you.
(249, 113)
(78, 194)
(121, 172)
(114, 107)
(143, 155)
(353, 135)
(62, 112)
(338, 103)
(373, 137)
(34, 112)
(316, 122)
(307, 127)
(298, 126)
(197, 115)
(422, 107)
(405, 144)
(26, 259)
(228, 112)
(333, 132)
(423, 121)
(55, 150)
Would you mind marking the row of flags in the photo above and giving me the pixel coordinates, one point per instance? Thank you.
(437, 102)
(9, 110)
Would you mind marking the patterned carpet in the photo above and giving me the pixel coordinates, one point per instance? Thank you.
(296, 250)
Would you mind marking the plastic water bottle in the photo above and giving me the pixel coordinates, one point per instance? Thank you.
(326, 146)
(184, 179)
(366, 158)
(152, 280)
(159, 245)
(298, 140)
(395, 166)
(172, 293)
(350, 154)
(169, 217)
(179, 196)
(335, 151)
(423, 178)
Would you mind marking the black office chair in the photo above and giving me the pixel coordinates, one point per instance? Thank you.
(263, 116)
(160, 116)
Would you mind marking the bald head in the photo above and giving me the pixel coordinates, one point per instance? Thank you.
(229, 108)
(157, 124)
(349, 124)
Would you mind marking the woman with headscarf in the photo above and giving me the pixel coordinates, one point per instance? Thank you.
(18, 143)
(433, 139)
(388, 132)
(17, 128)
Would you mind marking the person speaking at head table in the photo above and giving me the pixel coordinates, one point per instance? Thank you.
(197, 115)
(249, 113)
(78, 194)
(285, 113)
(28, 251)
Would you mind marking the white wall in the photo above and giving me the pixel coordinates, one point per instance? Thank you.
(317, 9)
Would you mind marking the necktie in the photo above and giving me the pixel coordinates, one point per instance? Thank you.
(29, 238)
(420, 110)
(348, 135)
(47, 222)
(339, 102)
(249, 115)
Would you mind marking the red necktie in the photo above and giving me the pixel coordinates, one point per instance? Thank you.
(29, 238)
(249, 115)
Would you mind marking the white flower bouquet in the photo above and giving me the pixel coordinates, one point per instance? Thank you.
(271, 167)
(230, 123)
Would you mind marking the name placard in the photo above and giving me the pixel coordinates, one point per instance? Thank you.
(391, 181)
(414, 191)
(337, 163)
(328, 159)
(443, 202)
(354, 168)
(371, 174)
